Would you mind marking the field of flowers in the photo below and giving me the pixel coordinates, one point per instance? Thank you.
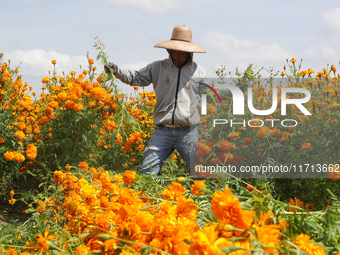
(83, 140)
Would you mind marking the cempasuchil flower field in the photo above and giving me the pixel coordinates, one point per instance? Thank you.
(82, 141)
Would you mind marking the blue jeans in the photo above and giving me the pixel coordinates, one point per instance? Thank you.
(164, 141)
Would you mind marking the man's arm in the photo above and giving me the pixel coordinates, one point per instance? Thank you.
(140, 78)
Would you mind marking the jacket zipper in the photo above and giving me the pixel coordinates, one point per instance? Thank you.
(175, 105)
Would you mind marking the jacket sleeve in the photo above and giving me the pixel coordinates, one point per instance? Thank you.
(141, 78)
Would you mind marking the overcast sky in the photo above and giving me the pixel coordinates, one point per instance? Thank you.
(234, 33)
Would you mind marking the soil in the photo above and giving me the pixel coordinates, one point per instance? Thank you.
(8, 212)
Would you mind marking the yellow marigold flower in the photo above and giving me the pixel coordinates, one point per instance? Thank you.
(129, 177)
(306, 146)
(9, 155)
(196, 188)
(293, 60)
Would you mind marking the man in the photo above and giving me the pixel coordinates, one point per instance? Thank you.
(175, 81)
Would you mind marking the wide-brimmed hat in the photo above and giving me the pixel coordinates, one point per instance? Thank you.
(181, 39)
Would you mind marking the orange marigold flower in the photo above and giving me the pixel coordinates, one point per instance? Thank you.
(9, 155)
(31, 151)
(173, 191)
(41, 206)
(295, 202)
(262, 132)
(305, 244)
(54, 62)
(91, 61)
(129, 177)
(310, 207)
(83, 165)
(207, 241)
(248, 140)
(225, 145)
(234, 135)
(42, 241)
(306, 146)
(43, 121)
(2, 140)
(11, 201)
(58, 177)
(226, 207)
(293, 60)
(196, 188)
(250, 187)
(46, 80)
(18, 156)
(20, 135)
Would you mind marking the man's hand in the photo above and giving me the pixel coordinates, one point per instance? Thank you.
(111, 66)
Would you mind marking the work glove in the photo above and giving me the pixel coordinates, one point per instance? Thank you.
(110, 66)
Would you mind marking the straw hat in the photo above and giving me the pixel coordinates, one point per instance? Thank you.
(181, 39)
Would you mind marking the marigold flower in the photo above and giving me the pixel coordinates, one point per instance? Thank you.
(228, 208)
(9, 155)
(306, 146)
(31, 151)
(20, 135)
(248, 140)
(84, 165)
(2, 140)
(91, 61)
(41, 206)
(173, 191)
(196, 188)
(129, 177)
(43, 121)
(54, 62)
(307, 245)
(18, 156)
(295, 202)
(234, 135)
(11, 201)
(46, 80)
(58, 177)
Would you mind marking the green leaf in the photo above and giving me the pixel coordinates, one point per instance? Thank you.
(3, 238)
(228, 250)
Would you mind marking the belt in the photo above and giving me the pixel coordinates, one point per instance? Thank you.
(171, 126)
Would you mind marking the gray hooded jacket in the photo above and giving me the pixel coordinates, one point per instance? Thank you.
(177, 90)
